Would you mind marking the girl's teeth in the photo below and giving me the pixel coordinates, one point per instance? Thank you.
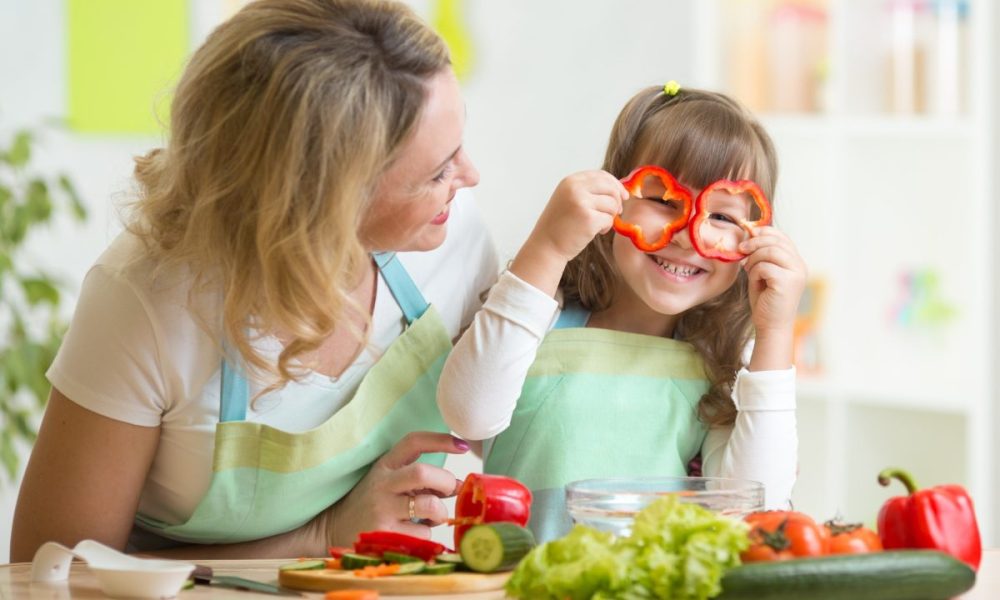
(675, 269)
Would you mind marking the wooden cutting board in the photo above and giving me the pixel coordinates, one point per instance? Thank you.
(397, 585)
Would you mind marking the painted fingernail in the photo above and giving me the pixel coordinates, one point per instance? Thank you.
(460, 444)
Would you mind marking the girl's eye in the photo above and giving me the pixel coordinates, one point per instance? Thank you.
(723, 217)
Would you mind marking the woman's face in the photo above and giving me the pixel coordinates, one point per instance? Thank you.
(412, 198)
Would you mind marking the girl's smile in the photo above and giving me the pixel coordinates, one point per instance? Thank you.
(675, 270)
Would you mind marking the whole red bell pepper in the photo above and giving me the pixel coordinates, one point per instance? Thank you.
(938, 518)
(490, 499)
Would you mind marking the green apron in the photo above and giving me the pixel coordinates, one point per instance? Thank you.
(266, 481)
(599, 403)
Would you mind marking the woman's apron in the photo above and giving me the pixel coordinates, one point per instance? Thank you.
(599, 403)
(266, 481)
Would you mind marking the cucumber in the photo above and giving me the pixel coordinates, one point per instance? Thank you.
(351, 561)
(891, 575)
(303, 565)
(396, 557)
(439, 569)
(495, 546)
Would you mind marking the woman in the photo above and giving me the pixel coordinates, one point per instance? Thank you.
(250, 371)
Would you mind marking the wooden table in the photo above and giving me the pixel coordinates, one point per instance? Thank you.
(15, 582)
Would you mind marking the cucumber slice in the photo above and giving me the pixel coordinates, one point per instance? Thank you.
(303, 565)
(495, 546)
(449, 557)
(411, 568)
(359, 561)
(396, 557)
(439, 569)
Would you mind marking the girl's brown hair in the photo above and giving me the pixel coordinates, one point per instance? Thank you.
(700, 137)
(280, 126)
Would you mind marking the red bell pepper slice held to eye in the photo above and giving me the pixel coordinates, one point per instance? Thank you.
(701, 213)
(674, 191)
(490, 499)
(937, 518)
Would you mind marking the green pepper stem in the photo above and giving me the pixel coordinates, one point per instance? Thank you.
(887, 475)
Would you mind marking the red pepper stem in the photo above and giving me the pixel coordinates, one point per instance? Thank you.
(887, 475)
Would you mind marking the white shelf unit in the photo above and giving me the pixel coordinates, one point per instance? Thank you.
(870, 195)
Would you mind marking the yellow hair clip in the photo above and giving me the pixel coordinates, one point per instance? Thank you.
(671, 88)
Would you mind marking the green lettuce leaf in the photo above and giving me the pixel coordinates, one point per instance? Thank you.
(676, 550)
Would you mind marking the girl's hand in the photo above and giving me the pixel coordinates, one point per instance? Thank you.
(381, 500)
(777, 278)
(582, 206)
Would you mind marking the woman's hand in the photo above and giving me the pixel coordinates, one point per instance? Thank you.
(582, 206)
(382, 500)
(777, 278)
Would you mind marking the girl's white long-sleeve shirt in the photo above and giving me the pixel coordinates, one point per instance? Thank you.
(485, 372)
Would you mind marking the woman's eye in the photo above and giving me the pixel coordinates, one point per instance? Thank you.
(440, 177)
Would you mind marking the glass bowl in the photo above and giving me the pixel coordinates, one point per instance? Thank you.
(611, 504)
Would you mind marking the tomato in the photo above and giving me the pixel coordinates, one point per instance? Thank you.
(783, 535)
(851, 538)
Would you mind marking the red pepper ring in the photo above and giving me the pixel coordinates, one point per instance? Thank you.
(674, 191)
(701, 213)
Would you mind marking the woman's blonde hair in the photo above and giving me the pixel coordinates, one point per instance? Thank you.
(279, 128)
(700, 137)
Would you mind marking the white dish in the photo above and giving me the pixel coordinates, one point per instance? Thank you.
(119, 575)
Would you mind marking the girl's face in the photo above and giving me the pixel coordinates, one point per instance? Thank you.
(666, 283)
(410, 208)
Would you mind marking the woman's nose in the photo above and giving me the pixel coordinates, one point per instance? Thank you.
(468, 174)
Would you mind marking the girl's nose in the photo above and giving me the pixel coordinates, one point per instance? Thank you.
(682, 239)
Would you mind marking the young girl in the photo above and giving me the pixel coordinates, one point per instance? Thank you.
(593, 358)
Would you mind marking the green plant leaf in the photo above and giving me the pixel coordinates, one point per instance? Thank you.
(38, 290)
(5, 195)
(76, 204)
(39, 203)
(20, 150)
(8, 454)
(17, 227)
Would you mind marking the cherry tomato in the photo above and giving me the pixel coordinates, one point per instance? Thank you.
(783, 535)
(851, 538)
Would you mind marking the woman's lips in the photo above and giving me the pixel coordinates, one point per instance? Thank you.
(442, 216)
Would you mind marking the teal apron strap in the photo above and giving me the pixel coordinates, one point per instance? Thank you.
(407, 296)
(572, 315)
(234, 392)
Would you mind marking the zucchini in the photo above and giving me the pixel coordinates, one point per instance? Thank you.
(303, 565)
(495, 546)
(352, 561)
(890, 575)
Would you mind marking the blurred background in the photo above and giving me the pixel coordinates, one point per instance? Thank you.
(884, 113)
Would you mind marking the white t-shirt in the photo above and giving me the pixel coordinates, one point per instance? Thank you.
(135, 352)
(484, 374)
